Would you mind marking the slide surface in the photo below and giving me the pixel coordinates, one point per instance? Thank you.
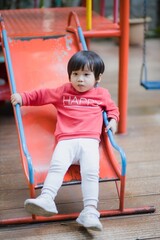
(39, 63)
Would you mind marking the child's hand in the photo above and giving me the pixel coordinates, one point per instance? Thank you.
(112, 125)
(16, 98)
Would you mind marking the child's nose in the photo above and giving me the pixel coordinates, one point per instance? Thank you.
(80, 78)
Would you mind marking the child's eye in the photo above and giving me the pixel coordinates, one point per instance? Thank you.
(74, 73)
(86, 74)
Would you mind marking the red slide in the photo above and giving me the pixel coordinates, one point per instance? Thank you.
(39, 63)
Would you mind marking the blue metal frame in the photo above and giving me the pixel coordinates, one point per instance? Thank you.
(82, 39)
(114, 144)
(17, 108)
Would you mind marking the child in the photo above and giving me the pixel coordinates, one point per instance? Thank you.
(79, 105)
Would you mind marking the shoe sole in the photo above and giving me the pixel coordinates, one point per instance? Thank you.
(94, 228)
(37, 210)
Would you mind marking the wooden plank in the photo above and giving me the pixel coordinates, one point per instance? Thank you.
(125, 227)
(141, 144)
(128, 228)
(134, 187)
(68, 206)
(142, 171)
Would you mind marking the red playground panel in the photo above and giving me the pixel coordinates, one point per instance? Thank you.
(52, 21)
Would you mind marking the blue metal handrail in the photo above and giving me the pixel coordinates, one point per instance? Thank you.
(17, 107)
(114, 144)
(81, 37)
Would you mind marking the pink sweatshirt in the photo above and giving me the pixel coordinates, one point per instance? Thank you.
(79, 115)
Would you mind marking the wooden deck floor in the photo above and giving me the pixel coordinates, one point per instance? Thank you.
(141, 144)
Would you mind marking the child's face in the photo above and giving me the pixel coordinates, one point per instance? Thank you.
(82, 80)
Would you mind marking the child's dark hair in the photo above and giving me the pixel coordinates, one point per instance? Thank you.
(89, 58)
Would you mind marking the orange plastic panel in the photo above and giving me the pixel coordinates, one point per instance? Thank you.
(40, 63)
(53, 21)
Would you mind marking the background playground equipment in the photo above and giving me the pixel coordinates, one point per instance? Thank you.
(53, 21)
(47, 54)
(148, 85)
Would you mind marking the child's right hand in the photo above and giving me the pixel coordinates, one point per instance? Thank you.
(16, 99)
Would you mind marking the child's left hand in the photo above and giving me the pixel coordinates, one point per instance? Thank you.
(112, 125)
(16, 99)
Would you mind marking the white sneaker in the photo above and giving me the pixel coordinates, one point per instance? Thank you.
(90, 219)
(41, 206)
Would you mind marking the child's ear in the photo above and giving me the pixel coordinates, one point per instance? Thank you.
(99, 78)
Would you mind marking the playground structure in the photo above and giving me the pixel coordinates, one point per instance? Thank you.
(53, 21)
(144, 81)
(29, 58)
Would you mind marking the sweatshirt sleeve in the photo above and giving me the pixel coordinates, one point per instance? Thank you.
(40, 97)
(110, 106)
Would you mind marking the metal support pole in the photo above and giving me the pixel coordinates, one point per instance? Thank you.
(123, 65)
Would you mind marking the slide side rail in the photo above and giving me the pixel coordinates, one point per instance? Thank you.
(17, 107)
